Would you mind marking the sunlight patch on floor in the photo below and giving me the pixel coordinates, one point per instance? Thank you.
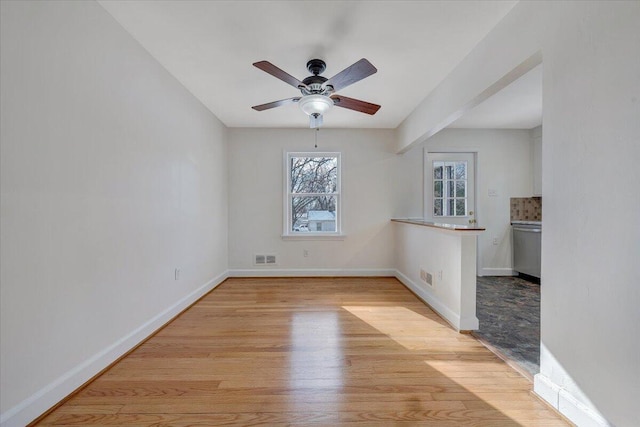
(398, 323)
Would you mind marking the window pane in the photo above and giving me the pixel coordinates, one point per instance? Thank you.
(450, 188)
(437, 207)
(448, 171)
(437, 188)
(314, 174)
(437, 170)
(313, 213)
(450, 207)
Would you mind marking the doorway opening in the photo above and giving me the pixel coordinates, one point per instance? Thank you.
(508, 306)
(508, 309)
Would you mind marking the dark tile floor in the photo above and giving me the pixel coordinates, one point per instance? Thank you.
(509, 312)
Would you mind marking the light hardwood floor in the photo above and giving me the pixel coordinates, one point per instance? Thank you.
(322, 351)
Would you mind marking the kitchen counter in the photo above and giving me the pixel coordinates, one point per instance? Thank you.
(538, 223)
(441, 225)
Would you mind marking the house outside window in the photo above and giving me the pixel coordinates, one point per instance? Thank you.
(312, 199)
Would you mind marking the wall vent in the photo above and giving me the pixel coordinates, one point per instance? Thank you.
(265, 259)
(426, 277)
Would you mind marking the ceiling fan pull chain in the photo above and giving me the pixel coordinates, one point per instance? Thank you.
(316, 137)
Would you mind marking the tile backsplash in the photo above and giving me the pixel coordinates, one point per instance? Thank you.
(526, 209)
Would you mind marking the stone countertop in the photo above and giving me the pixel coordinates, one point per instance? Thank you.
(440, 225)
(515, 222)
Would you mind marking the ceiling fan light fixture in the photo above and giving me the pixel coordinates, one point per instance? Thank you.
(315, 121)
(315, 104)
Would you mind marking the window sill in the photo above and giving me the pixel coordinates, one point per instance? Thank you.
(313, 236)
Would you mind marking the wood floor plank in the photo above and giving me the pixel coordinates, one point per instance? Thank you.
(308, 351)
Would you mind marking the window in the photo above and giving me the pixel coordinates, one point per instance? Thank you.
(449, 188)
(313, 194)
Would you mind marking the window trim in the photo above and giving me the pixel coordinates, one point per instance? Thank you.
(288, 233)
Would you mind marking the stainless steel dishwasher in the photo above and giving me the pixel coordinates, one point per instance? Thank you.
(527, 237)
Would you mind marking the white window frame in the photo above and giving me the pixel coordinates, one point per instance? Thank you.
(444, 197)
(288, 233)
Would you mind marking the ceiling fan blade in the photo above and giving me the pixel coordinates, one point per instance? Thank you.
(355, 104)
(352, 74)
(275, 104)
(276, 72)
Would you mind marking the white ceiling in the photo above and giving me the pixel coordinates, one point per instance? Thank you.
(209, 47)
(517, 106)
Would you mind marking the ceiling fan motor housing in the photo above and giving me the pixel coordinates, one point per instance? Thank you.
(314, 83)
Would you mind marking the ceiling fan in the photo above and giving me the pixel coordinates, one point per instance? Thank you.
(318, 92)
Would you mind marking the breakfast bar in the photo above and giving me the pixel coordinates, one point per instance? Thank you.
(437, 261)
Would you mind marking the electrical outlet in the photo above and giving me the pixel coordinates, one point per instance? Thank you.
(439, 274)
(176, 273)
(495, 241)
(305, 253)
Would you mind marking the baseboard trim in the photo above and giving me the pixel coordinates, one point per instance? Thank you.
(488, 271)
(442, 310)
(460, 324)
(566, 404)
(49, 396)
(322, 272)
(445, 312)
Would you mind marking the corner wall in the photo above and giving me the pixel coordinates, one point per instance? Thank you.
(112, 175)
(591, 92)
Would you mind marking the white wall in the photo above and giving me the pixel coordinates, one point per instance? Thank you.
(503, 164)
(112, 175)
(450, 257)
(409, 191)
(256, 201)
(590, 246)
